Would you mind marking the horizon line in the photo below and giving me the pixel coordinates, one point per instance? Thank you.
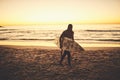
(53, 24)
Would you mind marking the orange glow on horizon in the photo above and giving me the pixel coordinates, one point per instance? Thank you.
(25, 12)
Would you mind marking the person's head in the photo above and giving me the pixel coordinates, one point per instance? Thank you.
(70, 27)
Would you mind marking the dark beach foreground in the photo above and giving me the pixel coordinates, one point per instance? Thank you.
(32, 63)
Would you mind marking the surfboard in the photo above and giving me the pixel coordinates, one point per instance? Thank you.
(71, 45)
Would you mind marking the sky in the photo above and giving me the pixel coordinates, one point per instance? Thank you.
(21, 12)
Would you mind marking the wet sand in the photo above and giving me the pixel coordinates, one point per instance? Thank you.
(41, 63)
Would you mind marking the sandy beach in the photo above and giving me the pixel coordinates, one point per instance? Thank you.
(41, 63)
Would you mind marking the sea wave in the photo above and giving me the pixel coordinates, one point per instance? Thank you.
(36, 39)
(103, 30)
(27, 39)
(7, 29)
(115, 40)
(4, 38)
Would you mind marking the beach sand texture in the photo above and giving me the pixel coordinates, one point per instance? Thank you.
(32, 63)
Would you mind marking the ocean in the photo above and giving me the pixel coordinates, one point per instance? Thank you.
(107, 35)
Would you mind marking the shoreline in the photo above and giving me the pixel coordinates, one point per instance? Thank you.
(53, 44)
(56, 48)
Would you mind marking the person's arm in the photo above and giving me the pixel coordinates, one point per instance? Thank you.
(61, 40)
(73, 35)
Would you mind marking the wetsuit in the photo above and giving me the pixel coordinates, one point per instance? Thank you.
(69, 34)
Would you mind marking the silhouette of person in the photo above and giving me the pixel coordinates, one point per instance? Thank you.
(69, 34)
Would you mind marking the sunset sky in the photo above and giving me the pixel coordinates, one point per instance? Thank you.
(17, 12)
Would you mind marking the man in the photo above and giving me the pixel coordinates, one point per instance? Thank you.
(69, 34)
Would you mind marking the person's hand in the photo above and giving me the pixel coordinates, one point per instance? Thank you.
(61, 46)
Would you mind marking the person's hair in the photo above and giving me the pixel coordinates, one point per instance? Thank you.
(70, 27)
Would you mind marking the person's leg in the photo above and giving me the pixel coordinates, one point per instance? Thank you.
(69, 58)
(62, 57)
